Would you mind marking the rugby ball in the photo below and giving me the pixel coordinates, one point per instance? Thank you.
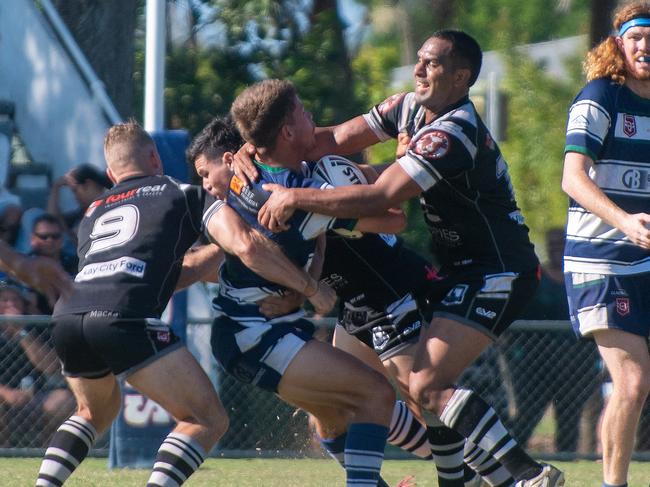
(339, 171)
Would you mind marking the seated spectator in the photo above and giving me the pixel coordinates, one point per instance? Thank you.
(86, 183)
(47, 241)
(11, 212)
(33, 397)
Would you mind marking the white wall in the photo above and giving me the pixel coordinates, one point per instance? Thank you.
(56, 115)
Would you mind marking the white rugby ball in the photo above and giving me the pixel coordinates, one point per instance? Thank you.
(339, 171)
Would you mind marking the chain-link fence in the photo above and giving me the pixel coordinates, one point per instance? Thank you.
(548, 387)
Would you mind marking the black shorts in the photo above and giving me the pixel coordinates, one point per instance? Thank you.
(487, 302)
(388, 331)
(93, 347)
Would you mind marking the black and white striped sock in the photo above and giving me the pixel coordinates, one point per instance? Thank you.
(468, 414)
(488, 467)
(178, 457)
(69, 446)
(407, 433)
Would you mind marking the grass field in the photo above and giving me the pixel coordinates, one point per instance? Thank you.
(21, 472)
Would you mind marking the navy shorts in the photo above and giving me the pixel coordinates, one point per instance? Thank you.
(602, 301)
(258, 354)
(93, 347)
(486, 302)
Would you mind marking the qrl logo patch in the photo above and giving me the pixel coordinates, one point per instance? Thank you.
(432, 145)
(629, 125)
(623, 306)
(163, 336)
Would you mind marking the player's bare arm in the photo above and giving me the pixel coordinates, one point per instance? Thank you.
(279, 305)
(343, 139)
(265, 258)
(200, 263)
(393, 187)
(41, 273)
(577, 184)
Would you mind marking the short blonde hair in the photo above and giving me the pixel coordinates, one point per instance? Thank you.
(606, 60)
(126, 143)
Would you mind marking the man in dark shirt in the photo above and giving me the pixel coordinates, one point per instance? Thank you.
(488, 263)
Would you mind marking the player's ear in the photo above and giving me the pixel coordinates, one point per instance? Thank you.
(227, 158)
(461, 76)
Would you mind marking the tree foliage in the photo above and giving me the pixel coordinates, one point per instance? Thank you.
(534, 147)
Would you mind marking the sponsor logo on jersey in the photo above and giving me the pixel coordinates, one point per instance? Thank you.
(389, 103)
(93, 206)
(124, 265)
(629, 125)
(236, 185)
(432, 145)
(485, 313)
(623, 306)
(153, 190)
(456, 295)
(635, 179)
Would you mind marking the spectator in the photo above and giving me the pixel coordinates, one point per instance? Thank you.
(86, 183)
(10, 214)
(550, 367)
(33, 397)
(47, 241)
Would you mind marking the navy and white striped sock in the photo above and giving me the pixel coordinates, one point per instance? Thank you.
(178, 457)
(336, 448)
(364, 454)
(69, 446)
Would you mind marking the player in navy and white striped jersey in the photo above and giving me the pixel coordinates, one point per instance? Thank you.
(488, 263)
(607, 254)
(279, 354)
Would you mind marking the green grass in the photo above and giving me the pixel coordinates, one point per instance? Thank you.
(21, 472)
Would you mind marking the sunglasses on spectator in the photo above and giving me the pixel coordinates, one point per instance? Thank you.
(48, 236)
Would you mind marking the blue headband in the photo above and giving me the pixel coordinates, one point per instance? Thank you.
(641, 21)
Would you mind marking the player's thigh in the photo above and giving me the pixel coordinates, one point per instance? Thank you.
(98, 400)
(626, 357)
(446, 348)
(177, 382)
(348, 343)
(322, 376)
(399, 369)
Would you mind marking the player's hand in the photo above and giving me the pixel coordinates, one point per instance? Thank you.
(324, 299)
(274, 306)
(47, 276)
(408, 481)
(637, 228)
(277, 209)
(403, 142)
(242, 164)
